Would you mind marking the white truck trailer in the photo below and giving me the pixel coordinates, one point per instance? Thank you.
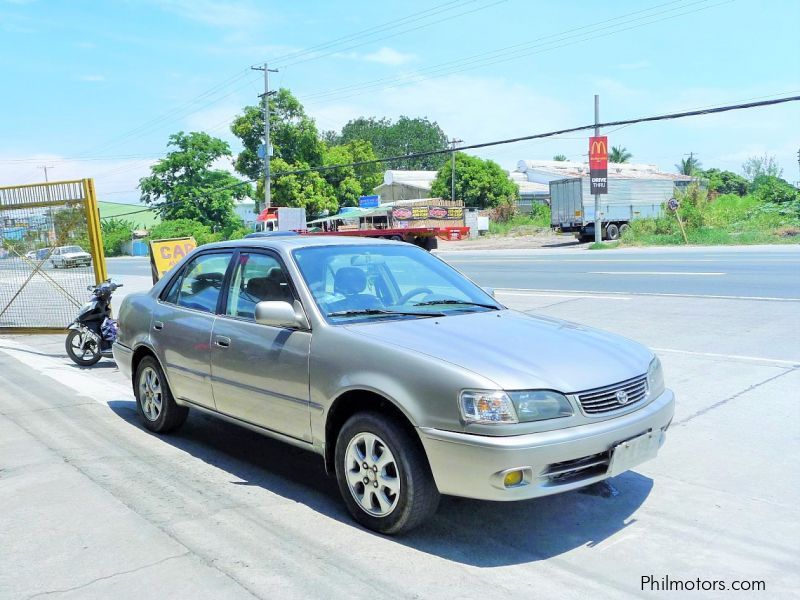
(572, 205)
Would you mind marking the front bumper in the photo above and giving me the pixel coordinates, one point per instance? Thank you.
(554, 461)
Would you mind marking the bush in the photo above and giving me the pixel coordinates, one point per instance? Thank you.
(178, 228)
(116, 233)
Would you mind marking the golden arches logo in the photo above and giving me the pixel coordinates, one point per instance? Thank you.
(598, 148)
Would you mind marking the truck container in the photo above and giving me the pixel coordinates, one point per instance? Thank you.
(572, 204)
(281, 218)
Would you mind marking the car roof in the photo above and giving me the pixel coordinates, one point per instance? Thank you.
(301, 241)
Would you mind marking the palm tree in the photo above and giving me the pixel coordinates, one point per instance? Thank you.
(688, 166)
(560, 157)
(619, 154)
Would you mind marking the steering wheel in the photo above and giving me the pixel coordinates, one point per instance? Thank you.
(415, 292)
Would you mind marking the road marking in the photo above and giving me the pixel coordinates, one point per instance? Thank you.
(656, 273)
(772, 361)
(63, 371)
(665, 294)
(548, 295)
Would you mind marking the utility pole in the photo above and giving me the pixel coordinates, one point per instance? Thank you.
(267, 149)
(453, 168)
(598, 235)
(45, 167)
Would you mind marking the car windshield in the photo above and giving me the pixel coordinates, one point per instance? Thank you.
(70, 249)
(377, 282)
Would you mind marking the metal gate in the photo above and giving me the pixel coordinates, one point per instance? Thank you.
(51, 249)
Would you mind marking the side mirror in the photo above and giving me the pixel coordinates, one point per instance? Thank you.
(489, 290)
(279, 314)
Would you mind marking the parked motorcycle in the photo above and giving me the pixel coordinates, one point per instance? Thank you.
(93, 331)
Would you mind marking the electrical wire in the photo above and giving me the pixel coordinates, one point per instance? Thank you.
(549, 134)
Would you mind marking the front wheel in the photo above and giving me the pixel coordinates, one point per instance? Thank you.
(81, 348)
(383, 475)
(154, 399)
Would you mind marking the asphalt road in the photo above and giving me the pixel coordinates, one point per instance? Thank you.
(94, 506)
(763, 271)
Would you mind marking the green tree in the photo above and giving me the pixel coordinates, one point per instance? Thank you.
(185, 186)
(756, 166)
(560, 158)
(293, 134)
(178, 228)
(725, 182)
(774, 190)
(405, 136)
(688, 166)
(308, 190)
(351, 182)
(116, 232)
(619, 154)
(480, 183)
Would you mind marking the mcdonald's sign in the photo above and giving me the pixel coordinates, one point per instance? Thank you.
(598, 164)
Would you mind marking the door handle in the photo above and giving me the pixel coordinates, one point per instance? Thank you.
(222, 341)
(158, 325)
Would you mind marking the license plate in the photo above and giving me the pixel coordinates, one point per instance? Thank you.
(634, 451)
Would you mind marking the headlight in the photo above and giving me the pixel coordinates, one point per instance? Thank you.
(487, 406)
(539, 405)
(655, 378)
(497, 406)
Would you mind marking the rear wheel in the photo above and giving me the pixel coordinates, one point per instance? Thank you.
(383, 475)
(154, 399)
(623, 228)
(612, 232)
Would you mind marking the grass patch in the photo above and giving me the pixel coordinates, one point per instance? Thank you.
(603, 245)
(525, 224)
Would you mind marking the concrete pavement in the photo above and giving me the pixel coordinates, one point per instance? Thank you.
(92, 505)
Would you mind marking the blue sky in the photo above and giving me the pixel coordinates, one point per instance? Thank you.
(95, 88)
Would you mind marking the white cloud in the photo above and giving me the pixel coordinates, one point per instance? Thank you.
(389, 56)
(92, 78)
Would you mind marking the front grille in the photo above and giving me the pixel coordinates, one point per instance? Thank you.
(570, 471)
(604, 399)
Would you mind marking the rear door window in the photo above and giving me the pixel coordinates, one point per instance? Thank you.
(201, 284)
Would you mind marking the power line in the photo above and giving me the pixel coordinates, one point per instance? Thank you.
(405, 157)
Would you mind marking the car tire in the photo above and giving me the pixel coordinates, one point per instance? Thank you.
(405, 470)
(612, 232)
(154, 401)
(623, 228)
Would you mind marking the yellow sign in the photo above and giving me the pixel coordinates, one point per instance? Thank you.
(165, 254)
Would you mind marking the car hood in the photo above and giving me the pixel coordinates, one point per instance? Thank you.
(519, 351)
(75, 254)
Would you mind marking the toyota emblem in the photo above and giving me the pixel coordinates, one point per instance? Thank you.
(622, 397)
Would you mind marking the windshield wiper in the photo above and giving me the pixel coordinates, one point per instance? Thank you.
(462, 302)
(381, 311)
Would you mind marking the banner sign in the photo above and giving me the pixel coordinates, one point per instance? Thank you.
(369, 201)
(165, 254)
(421, 213)
(598, 164)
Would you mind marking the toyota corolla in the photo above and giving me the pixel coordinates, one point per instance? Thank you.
(407, 378)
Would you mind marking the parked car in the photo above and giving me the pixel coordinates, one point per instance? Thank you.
(406, 377)
(42, 253)
(70, 256)
(31, 255)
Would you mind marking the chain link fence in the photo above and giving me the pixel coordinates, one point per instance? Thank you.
(50, 251)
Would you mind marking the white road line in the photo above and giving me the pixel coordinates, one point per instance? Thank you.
(548, 295)
(774, 361)
(655, 273)
(656, 294)
(63, 371)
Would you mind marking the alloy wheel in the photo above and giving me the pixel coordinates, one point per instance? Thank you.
(373, 476)
(150, 394)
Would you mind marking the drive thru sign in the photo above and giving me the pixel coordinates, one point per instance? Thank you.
(598, 164)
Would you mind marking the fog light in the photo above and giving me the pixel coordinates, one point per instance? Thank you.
(512, 478)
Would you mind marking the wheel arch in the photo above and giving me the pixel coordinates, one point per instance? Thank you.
(358, 400)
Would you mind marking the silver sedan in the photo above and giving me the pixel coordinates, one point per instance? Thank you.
(407, 378)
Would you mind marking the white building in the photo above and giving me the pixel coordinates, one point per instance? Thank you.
(245, 210)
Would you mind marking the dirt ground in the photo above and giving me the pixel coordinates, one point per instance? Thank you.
(545, 239)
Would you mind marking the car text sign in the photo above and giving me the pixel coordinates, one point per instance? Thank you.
(165, 254)
(598, 164)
